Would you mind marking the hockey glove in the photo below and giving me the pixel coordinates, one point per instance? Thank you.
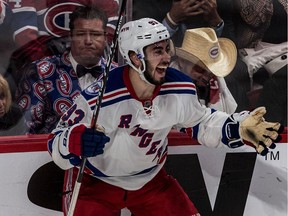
(260, 133)
(87, 142)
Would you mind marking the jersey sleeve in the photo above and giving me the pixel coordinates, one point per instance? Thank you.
(210, 127)
(24, 25)
(215, 128)
(80, 113)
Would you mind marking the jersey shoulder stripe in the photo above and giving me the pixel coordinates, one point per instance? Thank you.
(177, 83)
(116, 96)
(115, 90)
(178, 88)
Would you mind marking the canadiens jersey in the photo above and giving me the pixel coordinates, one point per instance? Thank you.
(47, 90)
(137, 129)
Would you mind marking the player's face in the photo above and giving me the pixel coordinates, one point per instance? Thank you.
(157, 58)
(88, 40)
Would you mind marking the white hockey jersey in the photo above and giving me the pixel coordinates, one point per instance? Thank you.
(137, 129)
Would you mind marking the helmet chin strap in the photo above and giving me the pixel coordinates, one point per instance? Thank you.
(141, 71)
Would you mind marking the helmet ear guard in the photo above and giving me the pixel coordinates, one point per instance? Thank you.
(137, 34)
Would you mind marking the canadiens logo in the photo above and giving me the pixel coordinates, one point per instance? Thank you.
(64, 85)
(39, 90)
(65, 59)
(56, 19)
(26, 86)
(37, 111)
(62, 105)
(213, 52)
(45, 69)
(24, 102)
(48, 86)
(93, 88)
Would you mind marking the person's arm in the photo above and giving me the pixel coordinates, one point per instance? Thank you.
(238, 129)
(5, 13)
(24, 25)
(179, 12)
(211, 15)
(217, 129)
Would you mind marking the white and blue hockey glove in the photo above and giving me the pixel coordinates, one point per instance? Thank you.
(87, 142)
(253, 129)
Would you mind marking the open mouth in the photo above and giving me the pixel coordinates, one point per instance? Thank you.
(161, 70)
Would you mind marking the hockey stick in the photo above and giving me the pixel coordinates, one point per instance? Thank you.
(80, 174)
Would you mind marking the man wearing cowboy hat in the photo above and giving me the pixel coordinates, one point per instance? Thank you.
(207, 59)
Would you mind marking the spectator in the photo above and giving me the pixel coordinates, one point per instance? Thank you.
(188, 14)
(259, 28)
(10, 113)
(142, 102)
(50, 85)
(179, 15)
(206, 72)
(249, 24)
(40, 28)
(193, 14)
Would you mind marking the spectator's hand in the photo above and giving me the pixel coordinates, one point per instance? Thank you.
(210, 12)
(183, 9)
(87, 142)
(260, 133)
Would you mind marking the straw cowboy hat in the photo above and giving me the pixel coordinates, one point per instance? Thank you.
(202, 47)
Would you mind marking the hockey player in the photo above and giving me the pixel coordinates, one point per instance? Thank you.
(142, 102)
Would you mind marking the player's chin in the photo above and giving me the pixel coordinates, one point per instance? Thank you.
(159, 81)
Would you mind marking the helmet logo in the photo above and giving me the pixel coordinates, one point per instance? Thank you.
(125, 29)
(153, 22)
